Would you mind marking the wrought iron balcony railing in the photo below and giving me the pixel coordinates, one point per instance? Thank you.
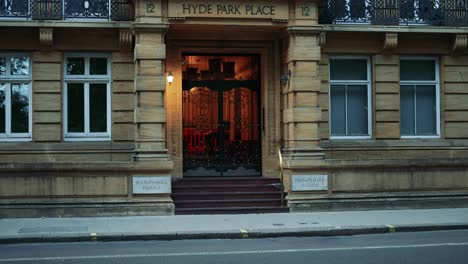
(395, 12)
(117, 10)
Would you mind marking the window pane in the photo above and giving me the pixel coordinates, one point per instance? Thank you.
(357, 110)
(19, 65)
(338, 110)
(75, 100)
(98, 66)
(417, 70)
(19, 108)
(98, 107)
(2, 66)
(355, 69)
(426, 110)
(2, 107)
(75, 66)
(407, 108)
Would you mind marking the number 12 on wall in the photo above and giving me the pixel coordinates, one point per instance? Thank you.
(150, 7)
(305, 10)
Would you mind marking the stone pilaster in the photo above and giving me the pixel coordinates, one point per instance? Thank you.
(150, 86)
(302, 113)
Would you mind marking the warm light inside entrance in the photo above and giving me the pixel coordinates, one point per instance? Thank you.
(221, 113)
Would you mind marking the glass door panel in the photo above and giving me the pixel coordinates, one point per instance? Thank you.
(221, 128)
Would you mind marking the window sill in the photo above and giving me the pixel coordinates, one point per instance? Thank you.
(15, 139)
(349, 137)
(416, 137)
(84, 139)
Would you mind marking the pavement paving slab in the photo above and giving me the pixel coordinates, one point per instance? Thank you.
(25, 230)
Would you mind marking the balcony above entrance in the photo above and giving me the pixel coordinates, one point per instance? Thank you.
(107, 10)
(452, 13)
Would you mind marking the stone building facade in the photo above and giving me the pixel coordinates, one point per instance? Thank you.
(370, 98)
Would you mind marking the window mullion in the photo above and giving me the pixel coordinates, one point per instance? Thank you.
(65, 107)
(86, 67)
(86, 97)
(415, 111)
(109, 10)
(8, 67)
(86, 105)
(109, 108)
(8, 109)
(346, 109)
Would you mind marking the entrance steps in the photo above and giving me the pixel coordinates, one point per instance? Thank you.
(227, 196)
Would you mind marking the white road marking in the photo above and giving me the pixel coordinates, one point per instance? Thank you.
(229, 252)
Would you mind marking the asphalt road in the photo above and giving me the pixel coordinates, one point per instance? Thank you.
(445, 247)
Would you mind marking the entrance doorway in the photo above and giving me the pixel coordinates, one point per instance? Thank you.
(221, 115)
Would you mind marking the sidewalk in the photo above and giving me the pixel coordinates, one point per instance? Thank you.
(28, 230)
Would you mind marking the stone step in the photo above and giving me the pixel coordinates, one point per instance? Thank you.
(186, 196)
(224, 181)
(227, 195)
(232, 210)
(226, 188)
(228, 203)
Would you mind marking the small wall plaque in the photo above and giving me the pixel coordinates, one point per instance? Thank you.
(151, 184)
(309, 182)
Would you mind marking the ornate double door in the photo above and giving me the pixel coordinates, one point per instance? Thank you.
(221, 121)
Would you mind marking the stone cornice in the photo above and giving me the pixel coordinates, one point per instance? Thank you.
(65, 24)
(150, 27)
(304, 30)
(340, 164)
(394, 29)
(94, 166)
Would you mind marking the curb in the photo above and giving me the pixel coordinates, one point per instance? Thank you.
(241, 234)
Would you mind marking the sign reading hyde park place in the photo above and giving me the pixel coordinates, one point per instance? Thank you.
(275, 9)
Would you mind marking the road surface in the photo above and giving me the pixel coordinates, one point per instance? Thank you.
(445, 247)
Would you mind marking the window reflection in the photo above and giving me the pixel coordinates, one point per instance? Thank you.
(98, 107)
(20, 108)
(75, 107)
(76, 66)
(2, 66)
(19, 65)
(2, 107)
(98, 66)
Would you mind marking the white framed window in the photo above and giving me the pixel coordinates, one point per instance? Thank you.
(87, 97)
(419, 97)
(350, 97)
(15, 97)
